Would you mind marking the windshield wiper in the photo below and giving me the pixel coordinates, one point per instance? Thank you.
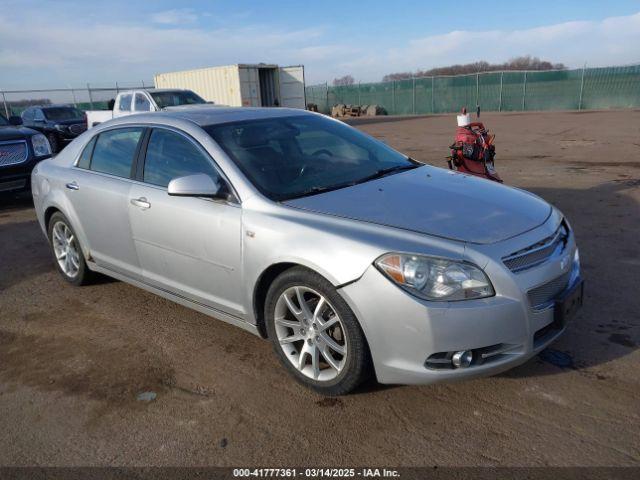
(377, 174)
(316, 190)
(383, 172)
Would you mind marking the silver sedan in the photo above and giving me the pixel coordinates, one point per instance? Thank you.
(352, 259)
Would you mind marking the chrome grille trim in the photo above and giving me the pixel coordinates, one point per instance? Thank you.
(537, 253)
(543, 296)
(13, 152)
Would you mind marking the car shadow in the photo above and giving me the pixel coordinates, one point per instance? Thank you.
(23, 252)
(15, 201)
(606, 223)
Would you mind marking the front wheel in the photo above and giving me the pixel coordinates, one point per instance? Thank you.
(315, 333)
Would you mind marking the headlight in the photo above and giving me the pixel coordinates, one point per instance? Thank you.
(436, 279)
(41, 145)
(61, 128)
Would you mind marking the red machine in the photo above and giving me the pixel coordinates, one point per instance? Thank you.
(473, 149)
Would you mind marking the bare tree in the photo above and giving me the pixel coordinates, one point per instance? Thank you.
(519, 63)
(342, 81)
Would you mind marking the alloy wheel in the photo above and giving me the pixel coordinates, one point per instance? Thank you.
(310, 333)
(65, 249)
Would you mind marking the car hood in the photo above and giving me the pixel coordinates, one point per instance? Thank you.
(437, 202)
(15, 133)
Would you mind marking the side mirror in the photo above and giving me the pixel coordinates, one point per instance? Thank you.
(198, 185)
(15, 120)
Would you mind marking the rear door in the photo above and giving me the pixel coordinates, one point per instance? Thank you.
(189, 246)
(292, 94)
(98, 188)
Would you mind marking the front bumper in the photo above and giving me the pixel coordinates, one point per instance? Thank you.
(404, 331)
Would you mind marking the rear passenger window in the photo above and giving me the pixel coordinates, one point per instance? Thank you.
(170, 155)
(85, 157)
(114, 151)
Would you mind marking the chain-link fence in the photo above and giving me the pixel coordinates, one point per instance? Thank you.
(579, 89)
(89, 97)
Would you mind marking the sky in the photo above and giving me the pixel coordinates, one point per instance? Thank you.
(62, 43)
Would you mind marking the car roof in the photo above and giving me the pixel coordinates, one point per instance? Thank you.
(213, 115)
(155, 90)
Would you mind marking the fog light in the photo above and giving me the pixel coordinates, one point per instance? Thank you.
(462, 359)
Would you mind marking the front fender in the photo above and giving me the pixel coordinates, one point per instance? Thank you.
(340, 250)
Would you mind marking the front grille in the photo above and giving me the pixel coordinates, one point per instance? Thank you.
(12, 153)
(537, 253)
(542, 296)
(77, 128)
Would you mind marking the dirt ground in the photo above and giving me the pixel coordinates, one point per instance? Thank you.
(73, 360)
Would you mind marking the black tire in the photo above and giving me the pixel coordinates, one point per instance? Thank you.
(53, 142)
(83, 275)
(357, 364)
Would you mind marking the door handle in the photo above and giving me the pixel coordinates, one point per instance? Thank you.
(73, 186)
(141, 202)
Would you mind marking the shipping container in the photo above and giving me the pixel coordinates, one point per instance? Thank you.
(259, 85)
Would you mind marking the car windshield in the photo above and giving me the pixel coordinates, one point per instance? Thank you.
(175, 99)
(62, 113)
(3, 121)
(290, 157)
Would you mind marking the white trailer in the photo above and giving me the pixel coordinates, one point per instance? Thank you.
(258, 85)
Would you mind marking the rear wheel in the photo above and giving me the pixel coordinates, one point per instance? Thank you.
(315, 333)
(66, 250)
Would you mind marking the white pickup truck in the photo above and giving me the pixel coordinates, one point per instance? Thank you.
(140, 101)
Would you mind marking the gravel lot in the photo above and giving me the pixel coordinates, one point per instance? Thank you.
(73, 360)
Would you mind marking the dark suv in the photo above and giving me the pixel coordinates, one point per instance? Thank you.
(60, 124)
(20, 149)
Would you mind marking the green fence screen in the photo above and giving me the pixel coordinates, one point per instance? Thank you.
(580, 89)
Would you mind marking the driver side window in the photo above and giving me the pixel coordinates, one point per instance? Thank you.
(170, 155)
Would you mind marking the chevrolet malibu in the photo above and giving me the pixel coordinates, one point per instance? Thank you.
(351, 258)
